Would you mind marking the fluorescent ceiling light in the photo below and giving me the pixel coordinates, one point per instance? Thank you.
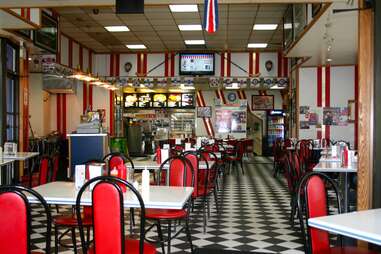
(183, 7)
(117, 28)
(190, 27)
(257, 45)
(195, 42)
(136, 46)
(265, 26)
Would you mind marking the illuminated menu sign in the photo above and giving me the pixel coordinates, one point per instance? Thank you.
(158, 100)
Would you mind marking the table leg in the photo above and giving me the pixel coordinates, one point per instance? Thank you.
(346, 190)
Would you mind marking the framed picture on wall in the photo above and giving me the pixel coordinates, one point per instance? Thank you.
(204, 112)
(262, 102)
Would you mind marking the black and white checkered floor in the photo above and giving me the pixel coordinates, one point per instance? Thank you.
(253, 217)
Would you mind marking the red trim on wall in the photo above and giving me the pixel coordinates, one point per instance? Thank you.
(145, 64)
(285, 67)
(327, 97)
(251, 63)
(58, 113)
(217, 94)
(28, 14)
(84, 97)
(166, 64)
(172, 64)
(111, 112)
(208, 121)
(356, 105)
(319, 87)
(280, 64)
(90, 86)
(70, 53)
(139, 62)
(117, 64)
(222, 64)
(112, 60)
(256, 62)
(198, 100)
(81, 57)
(223, 96)
(228, 62)
(64, 109)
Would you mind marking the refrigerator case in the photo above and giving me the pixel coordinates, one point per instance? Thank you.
(275, 128)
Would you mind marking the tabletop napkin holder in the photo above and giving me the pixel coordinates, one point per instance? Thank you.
(334, 151)
(164, 154)
(188, 146)
(178, 141)
(10, 148)
(94, 171)
(80, 176)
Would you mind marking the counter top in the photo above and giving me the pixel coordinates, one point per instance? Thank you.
(86, 134)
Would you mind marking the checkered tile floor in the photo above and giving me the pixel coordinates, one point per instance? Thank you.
(254, 212)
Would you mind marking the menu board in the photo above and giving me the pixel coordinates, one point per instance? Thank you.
(160, 100)
(130, 100)
(187, 100)
(174, 100)
(145, 100)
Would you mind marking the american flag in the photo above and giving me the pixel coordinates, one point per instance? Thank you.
(211, 16)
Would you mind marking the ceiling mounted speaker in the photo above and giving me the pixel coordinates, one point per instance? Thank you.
(129, 6)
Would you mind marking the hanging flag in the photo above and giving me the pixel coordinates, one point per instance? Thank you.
(211, 16)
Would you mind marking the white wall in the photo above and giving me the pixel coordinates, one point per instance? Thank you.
(342, 87)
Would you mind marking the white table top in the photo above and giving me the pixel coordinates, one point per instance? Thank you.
(335, 167)
(20, 156)
(5, 161)
(329, 159)
(362, 225)
(143, 163)
(164, 197)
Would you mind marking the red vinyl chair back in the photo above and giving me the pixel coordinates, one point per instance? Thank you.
(56, 166)
(313, 188)
(193, 159)
(240, 150)
(108, 215)
(177, 172)
(15, 220)
(45, 170)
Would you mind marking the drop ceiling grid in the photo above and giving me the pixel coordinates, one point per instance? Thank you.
(158, 29)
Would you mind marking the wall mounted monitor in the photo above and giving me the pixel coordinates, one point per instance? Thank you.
(196, 64)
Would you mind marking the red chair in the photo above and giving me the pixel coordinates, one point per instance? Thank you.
(70, 221)
(108, 215)
(44, 174)
(313, 199)
(203, 183)
(178, 175)
(237, 157)
(15, 220)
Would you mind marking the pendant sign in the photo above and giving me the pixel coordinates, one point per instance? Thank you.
(211, 16)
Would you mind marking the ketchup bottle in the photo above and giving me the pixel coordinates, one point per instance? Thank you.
(158, 155)
(122, 174)
(345, 159)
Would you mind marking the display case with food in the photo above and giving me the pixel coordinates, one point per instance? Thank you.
(187, 100)
(174, 100)
(130, 100)
(145, 100)
(160, 100)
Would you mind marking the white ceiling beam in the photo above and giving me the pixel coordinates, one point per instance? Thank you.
(94, 3)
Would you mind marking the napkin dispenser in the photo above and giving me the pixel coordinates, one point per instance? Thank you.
(94, 171)
(164, 154)
(80, 176)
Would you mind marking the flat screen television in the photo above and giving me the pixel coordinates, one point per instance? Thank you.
(196, 64)
(46, 36)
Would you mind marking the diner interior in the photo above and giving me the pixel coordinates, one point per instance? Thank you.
(190, 126)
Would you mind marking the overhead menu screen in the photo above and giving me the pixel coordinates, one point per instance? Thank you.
(196, 64)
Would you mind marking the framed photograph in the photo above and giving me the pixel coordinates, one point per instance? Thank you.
(25, 33)
(204, 112)
(46, 36)
(262, 102)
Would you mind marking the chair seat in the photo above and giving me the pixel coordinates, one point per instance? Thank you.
(71, 220)
(165, 214)
(232, 158)
(132, 246)
(346, 250)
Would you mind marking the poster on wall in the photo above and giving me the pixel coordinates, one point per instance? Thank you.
(204, 112)
(231, 119)
(304, 110)
(335, 116)
(238, 121)
(304, 125)
(223, 120)
(262, 102)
